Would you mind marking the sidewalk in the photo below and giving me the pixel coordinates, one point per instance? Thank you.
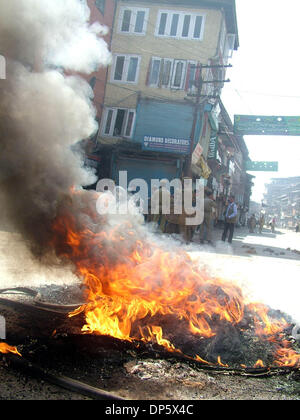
(265, 266)
(281, 244)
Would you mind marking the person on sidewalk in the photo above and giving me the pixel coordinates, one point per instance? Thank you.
(252, 223)
(230, 219)
(273, 222)
(261, 222)
(209, 206)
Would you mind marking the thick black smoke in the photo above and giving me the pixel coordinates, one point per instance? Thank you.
(43, 112)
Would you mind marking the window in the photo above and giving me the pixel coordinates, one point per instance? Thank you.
(191, 77)
(92, 82)
(100, 4)
(178, 74)
(180, 25)
(118, 122)
(174, 25)
(167, 73)
(229, 46)
(154, 73)
(167, 67)
(227, 42)
(133, 20)
(208, 88)
(186, 26)
(125, 68)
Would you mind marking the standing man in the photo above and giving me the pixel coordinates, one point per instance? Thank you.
(273, 225)
(261, 222)
(230, 219)
(252, 223)
(209, 205)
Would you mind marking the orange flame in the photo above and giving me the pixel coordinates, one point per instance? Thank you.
(264, 324)
(147, 284)
(131, 283)
(220, 363)
(5, 348)
(259, 363)
(285, 356)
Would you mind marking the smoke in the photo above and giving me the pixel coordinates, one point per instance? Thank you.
(41, 32)
(43, 112)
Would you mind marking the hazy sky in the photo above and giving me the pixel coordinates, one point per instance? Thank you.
(265, 80)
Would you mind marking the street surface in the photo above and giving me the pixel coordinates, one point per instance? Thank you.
(262, 264)
(265, 265)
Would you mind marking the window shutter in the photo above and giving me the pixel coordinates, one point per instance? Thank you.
(187, 80)
(161, 72)
(149, 72)
(197, 75)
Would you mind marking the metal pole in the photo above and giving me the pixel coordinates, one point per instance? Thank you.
(188, 169)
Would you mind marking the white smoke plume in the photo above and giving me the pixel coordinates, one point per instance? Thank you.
(56, 32)
(43, 112)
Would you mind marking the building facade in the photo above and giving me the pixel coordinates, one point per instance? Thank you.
(282, 201)
(227, 159)
(154, 114)
(102, 11)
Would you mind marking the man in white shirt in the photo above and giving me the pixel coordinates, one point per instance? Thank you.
(230, 219)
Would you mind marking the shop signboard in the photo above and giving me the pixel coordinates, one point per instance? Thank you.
(262, 166)
(166, 144)
(267, 125)
(212, 147)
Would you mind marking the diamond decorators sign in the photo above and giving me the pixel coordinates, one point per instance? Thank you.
(167, 144)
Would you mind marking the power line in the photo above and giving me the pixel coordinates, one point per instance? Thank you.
(268, 94)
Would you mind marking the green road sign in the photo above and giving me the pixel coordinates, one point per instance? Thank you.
(266, 125)
(262, 166)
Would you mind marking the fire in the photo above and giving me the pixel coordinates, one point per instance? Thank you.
(220, 363)
(264, 324)
(259, 363)
(132, 284)
(5, 348)
(286, 356)
(149, 282)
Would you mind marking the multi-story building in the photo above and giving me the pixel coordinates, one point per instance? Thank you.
(101, 11)
(154, 113)
(282, 200)
(227, 159)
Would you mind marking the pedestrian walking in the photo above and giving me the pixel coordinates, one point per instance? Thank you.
(261, 223)
(206, 226)
(230, 219)
(252, 223)
(273, 222)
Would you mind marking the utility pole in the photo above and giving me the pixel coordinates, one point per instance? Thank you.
(200, 106)
(188, 169)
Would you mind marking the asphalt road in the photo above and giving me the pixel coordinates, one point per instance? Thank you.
(266, 265)
(262, 264)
